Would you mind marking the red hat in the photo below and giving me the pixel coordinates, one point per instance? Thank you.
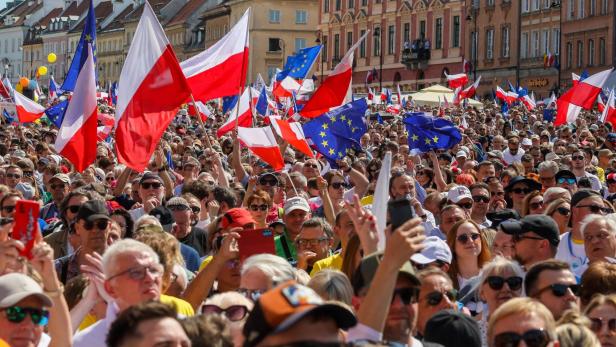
(236, 217)
(611, 177)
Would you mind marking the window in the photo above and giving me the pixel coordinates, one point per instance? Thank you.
(301, 17)
(476, 4)
(438, 33)
(299, 44)
(274, 44)
(325, 6)
(591, 52)
(547, 4)
(570, 10)
(556, 41)
(455, 42)
(592, 7)
(351, 4)
(545, 38)
(505, 42)
(337, 46)
(13, 45)
(338, 5)
(349, 40)
(362, 45)
(407, 32)
(422, 28)
(391, 43)
(376, 44)
(581, 8)
(601, 51)
(580, 53)
(534, 44)
(274, 16)
(525, 6)
(569, 54)
(534, 5)
(490, 44)
(524, 46)
(604, 4)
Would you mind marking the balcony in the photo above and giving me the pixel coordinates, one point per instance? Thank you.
(416, 56)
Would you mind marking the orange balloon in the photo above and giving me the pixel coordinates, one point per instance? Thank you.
(24, 82)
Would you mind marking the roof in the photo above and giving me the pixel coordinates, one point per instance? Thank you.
(156, 6)
(119, 20)
(185, 12)
(101, 11)
(76, 9)
(43, 22)
(21, 11)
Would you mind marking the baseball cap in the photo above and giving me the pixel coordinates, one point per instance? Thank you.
(26, 190)
(280, 308)
(93, 210)
(527, 142)
(583, 194)
(458, 193)
(542, 225)
(236, 217)
(62, 178)
(15, 287)
(496, 154)
(363, 275)
(611, 177)
(150, 176)
(451, 328)
(164, 216)
(611, 137)
(606, 153)
(177, 202)
(434, 249)
(461, 154)
(552, 156)
(296, 203)
(497, 217)
(532, 184)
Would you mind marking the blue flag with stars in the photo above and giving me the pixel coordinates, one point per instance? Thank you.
(56, 113)
(298, 66)
(88, 35)
(427, 133)
(10, 119)
(335, 133)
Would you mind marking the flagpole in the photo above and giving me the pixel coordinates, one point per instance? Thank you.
(207, 137)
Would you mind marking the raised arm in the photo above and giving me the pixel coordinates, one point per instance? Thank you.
(122, 180)
(236, 160)
(441, 185)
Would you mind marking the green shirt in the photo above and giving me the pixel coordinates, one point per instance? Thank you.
(289, 252)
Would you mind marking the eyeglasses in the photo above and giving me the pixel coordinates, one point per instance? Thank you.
(234, 313)
(536, 205)
(313, 166)
(465, 237)
(481, 198)
(435, 298)
(520, 237)
(597, 209)
(563, 211)
(17, 314)
(521, 190)
(195, 209)
(498, 282)
(310, 242)
(564, 180)
(8, 209)
(100, 224)
(15, 176)
(266, 182)
(577, 157)
(178, 208)
(138, 273)
(597, 323)
(153, 185)
(338, 185)
(466, 205)
(57, 186)
(407, 295)
(251, 294)
(560, 289)
(532, 338)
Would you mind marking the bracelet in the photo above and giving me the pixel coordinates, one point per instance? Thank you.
(55, 293)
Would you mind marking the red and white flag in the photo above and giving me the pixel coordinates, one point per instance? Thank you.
(153, 88)
(243, 115)
(27, 110)
(221, 69)
(398, 94)
(458, 80)
(466, 66)
(262, 143)
(199, 109)
(608, 115)
(581, 96)
(600, 103)
(286, 87)
(508, 97)
(336, 89)
(470, 91)
(575, 79)
(293, 133)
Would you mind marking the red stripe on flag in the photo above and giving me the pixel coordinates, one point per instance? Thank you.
(330, 94)
(223, 79)
(74, 148)
(25, 116)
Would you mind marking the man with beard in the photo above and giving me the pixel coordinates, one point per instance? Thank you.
(536, 238)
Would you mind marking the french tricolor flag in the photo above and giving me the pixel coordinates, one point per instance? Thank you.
(27, 110)
(608, 115)
(78, 134)
(262, 143)
(458, 80)
(153, 88)
(581, 96)
(221, 69)
(240, 114)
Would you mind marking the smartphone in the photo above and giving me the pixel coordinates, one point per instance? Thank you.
(400, 211)
(26, 227)
(256, 241)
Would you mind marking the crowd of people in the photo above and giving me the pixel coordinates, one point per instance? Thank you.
(512, 243)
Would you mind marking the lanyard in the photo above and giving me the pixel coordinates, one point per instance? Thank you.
(582, 260)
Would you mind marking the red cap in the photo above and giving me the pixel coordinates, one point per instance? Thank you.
(611, 177)
(236, 217)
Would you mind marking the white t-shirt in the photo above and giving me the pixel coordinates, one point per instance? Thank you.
(594, 180)
(510, 158)
(572, 253)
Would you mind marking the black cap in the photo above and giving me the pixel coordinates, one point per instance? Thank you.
(451, 329)
(164, 216)
(540, 224)
(564, 174)
(532, 184)
(93, 210)
(150, 176)
(583, 194)
(497, 217)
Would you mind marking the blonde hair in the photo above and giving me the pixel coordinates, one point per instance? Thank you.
(332, 285)
(573, 331)
(523, 306)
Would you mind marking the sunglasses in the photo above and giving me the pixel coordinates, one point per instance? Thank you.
(178, 207)
(536, 205)
(597, 323)
(15, 176)
(153, 185)
(465, 237)
(17, 314)
(564, 180)
(313, 166)
(597, 209)
(57, 186)
(233, 313)
(532, 338)
(258, 207)
(195, 209)
(73, 209)
(497, 282)
(563, 211)
(28, 173)
(521, 190)
(8, 209)
(100, 224)
(481, 198)
(466, 205)
(435, 298)
(109, 178)
(560, 290)
(407, 295)
(577, 157)
(436, 263)
(266, 182)
(338, 185)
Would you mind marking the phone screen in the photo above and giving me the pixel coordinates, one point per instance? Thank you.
(400, 211)
(26, 227)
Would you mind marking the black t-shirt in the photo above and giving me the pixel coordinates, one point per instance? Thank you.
(197, 239)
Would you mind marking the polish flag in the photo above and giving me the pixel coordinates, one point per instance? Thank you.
(608, 115)
(508, 97)
(458, 80)
(78, 134)
(153, 88)
(244, 115)
(600, 103)
(286, 87)
(575, 79)
(581, 96)
(528, 102)
(27, 110)
(103, 131)
(293, 133)
(370, 95)
(466, 66)
(221, 69)
(393, 109)
(4, 91)
(335, 90)
(199, 110)
(470, 91)
(456, 96)
(262, 143)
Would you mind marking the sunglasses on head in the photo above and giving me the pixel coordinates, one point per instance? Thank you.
(597, 209)
(233, 313)
(597, 323)
(258, 207)
(560, 290)
(564, 180)
(481, 198)
(532, 338)
(100, 224)
(521, 190)
(435, 298)
(498, 282)
(407, 295)
(338, 185)
(153, 185)
(465, 237)
(17, 314)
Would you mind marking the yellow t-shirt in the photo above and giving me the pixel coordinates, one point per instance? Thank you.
(333, 262)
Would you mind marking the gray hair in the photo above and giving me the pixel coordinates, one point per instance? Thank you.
(609, 220)
(550, 165)
(147, 220)
(125, 246)
(277, 269)
(332, 285)
(554, 193)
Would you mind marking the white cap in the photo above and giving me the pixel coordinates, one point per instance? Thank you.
(458, 193)
(527, 142)
(461, 154)
(296, 203)
(434, 249)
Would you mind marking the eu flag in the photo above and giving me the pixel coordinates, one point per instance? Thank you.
(88, 35)
(10, 119)
(56, 113)
(228, 102)
(299, 65)
(335, 133)
(427, 133)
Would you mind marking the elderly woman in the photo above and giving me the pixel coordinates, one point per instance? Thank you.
(235, 307)
(263, 272)
(332, 285)
(599, 237)
(560, 211)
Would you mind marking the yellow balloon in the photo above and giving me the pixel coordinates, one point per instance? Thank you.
(42, 70)
(51, 58)
(24, 82)
(19, 88)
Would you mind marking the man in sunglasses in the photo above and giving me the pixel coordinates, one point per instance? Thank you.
(513, 153)
(547, 173)
(182, 227)
(553, 284)
(481, 201)
(151, 192)
(436, 294)
(14, 174)
(578, 167)
(59, 186)
(536, 238)
(461, 196)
